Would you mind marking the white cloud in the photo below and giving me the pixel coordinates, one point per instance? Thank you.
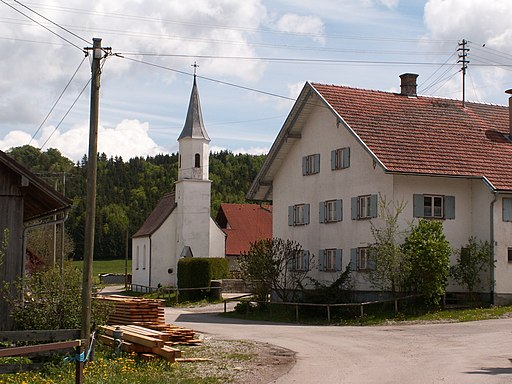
(127, 139)
(390, 3)
(302, 25)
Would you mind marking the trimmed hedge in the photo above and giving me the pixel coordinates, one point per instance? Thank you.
(198, 272)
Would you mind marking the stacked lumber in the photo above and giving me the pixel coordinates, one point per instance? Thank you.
(135, 310)
(144, 341)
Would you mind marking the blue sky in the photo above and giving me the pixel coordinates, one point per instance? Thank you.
(253, 56)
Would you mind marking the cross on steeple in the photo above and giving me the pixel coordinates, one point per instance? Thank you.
(195, 65)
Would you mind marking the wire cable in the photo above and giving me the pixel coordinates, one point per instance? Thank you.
(47, 19)
(38, 23)
(58, 99)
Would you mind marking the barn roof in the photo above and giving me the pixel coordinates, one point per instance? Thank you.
(39, 198)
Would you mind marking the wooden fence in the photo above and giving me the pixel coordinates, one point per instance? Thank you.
(327, 307)
(59, 341)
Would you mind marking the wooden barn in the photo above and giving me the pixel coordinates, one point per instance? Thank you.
(25, 201)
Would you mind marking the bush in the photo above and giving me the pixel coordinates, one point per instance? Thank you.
(198, 272)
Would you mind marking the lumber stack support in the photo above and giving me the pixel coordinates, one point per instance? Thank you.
(144, 329)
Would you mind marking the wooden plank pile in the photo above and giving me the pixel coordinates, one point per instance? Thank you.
(139, 340)
(144, 329)
(135, 310)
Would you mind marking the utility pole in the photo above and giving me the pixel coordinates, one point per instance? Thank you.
(90, 214)
(463, 54)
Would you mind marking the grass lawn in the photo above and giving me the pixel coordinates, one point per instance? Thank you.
(106, 266)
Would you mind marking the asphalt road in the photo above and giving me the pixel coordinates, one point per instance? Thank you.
(468, 353)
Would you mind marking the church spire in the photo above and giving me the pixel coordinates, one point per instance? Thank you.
(194, 126)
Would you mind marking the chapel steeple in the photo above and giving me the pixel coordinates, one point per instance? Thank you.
(194, 148)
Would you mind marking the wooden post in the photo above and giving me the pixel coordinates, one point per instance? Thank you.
(79, 373)
(328, 313)
(297, 312)
(362, 310)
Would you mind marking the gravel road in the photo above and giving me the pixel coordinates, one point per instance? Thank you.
(469, 353)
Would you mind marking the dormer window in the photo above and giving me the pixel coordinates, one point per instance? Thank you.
(197, 161)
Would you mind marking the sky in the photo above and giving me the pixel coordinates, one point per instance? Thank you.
(253, 57)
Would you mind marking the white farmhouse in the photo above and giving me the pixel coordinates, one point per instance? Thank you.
(180, 225)
(341, 148)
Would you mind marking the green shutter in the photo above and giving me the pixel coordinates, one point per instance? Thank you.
(339, 253)
(353, 208)
(304, 166)
(333, 160)
(321, 257)
(418, 209)
(290, 215)
(449, 207)
(306, 213)
(346, 157)
(353, 259)
(321, 211)
(339, 210)
(306, 260)
(373, 206)
(507, 209)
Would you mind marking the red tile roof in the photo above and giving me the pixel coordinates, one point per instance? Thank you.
(157, 217)
(428, 135)
(243, 225)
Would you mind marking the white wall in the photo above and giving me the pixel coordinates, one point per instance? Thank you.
(140, 272)
(217, 240)
(163, 253)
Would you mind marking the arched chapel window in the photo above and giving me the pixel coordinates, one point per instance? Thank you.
(197, 160)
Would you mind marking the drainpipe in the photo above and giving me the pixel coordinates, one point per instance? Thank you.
(492, 261)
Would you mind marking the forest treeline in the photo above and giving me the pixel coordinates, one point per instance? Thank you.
(127, 191)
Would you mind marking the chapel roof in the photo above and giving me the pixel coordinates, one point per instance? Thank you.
(194, 126)
(158, 216)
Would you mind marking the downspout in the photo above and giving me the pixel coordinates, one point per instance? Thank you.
(492, 260)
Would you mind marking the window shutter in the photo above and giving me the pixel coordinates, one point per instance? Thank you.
(353, 259)
(346, 157)
(333, 160)
(290, 215)
(353, 208)
(321, 257)
(321, 211)
(507, 209)
(306, 260)
(339, 253)
(373, 206)
(316, 163)
(449, 207)
(290, 264)
(304, 166)
(339, 210)
(306, 213)
(418, 210)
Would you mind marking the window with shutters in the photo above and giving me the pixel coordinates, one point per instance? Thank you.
(311, 164)
(300, 261)
(340, 158)
(364, 207)
(329, 260)
(361, 260)
(434, 206)
(331, 211)
(298, 214)
(507, 209)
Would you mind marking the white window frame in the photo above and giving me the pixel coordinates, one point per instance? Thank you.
(299, 214)
(311, 164)
(339, 157)
(364, 207)
(430, 204)
(363, 262)
(330, 211)
(330, 260)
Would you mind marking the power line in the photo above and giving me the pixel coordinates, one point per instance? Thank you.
(58, 99)
(66, 114)
(38, 23)
(47, 19)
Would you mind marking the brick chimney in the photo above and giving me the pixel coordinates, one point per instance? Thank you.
(509, 92)
(408, 84)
